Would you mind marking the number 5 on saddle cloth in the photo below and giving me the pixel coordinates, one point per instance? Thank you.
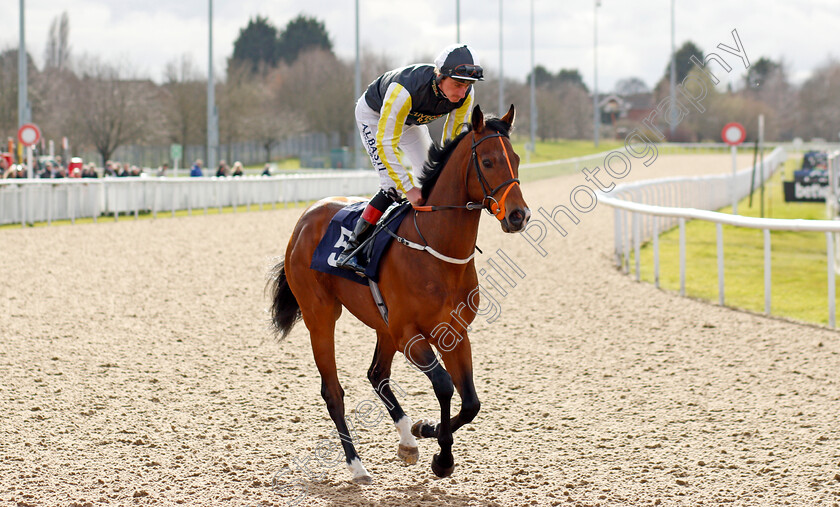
(339, 230)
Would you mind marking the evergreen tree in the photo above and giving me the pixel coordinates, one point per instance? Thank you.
(760, 71)
(571, 76)
(684, 64)
(301, 34)
(257, 44)
(542, 77)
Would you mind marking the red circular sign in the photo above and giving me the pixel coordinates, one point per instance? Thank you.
(733, 134)
(29, 134)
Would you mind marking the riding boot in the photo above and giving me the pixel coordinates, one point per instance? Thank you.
(352, 258)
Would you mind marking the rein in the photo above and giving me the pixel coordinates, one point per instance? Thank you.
(488, 203)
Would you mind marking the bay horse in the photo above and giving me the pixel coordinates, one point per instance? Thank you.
(425, 293)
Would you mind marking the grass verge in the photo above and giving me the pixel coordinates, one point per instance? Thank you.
(799, 274)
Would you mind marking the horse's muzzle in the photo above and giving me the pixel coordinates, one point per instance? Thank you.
(516, 220)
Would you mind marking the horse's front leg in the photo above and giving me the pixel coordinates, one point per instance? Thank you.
(420, 353)
(459, 365)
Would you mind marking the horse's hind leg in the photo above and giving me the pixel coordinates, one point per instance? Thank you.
(322, 336)
(379, 375)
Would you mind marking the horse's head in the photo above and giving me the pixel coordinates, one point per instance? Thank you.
(493, 175)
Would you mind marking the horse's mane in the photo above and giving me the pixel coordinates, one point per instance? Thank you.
(439, 155)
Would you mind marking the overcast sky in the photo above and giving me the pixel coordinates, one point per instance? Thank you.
(634, 37)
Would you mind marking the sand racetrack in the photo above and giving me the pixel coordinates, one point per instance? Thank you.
(137, 369)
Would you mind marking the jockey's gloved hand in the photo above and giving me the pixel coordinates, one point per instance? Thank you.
(414, 195)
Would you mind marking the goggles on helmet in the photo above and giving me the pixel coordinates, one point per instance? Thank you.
(465, 71)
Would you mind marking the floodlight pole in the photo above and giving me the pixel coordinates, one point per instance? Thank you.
(673, 122)
(533, 90)
(596, 120)
(24, 115)
(501, 67)
(458, 21)
(357, 91)
(212, 112)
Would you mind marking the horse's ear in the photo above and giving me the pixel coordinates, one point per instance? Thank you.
(508, 117)
(477, 119)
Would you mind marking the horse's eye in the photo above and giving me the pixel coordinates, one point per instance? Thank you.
(487, 163)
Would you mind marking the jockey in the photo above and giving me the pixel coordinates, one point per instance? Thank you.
(392, 115)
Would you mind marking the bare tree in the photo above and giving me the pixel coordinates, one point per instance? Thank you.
(631, 86)
(550, 117)
(111, 109)
(238, 101)
(270, 125)
(185, 103)
(319, 88)
(57, 52)
(373, 65)
(53, 86)
(8, 93)
(767, 81)
(819, 103)
(722, 107)
(52, 104)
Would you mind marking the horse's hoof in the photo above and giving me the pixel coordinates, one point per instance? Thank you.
(410, 455)
(357, 470)
(424, 428)
(441, 471)
(363, 479)
(416, 427)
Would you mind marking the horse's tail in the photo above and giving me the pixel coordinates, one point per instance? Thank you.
(285, 310)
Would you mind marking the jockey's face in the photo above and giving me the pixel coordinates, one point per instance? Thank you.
(454, 89)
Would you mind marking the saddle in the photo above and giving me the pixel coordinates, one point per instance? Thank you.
(374, 247)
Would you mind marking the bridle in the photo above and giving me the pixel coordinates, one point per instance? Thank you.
(493, 206)
(488, 202)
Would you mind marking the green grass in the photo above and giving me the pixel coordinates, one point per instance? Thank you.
(666, 149)
(799, 284)
(559, 150)
(545, 151)
(286, 164)
(565, 148)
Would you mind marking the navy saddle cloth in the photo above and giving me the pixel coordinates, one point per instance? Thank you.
(338, 232)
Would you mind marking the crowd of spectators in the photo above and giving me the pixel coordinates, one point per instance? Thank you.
(222, 171)
(54, 168)
(121, 170)
(45, 167)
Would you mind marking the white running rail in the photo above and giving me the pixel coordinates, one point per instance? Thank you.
(44, 200)
(645, 209)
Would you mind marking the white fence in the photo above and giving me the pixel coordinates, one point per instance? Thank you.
(698, 192)
(44, 200)
(643, 210)
(27, 201)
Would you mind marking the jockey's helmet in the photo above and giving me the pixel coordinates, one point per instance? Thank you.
(460, 62)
